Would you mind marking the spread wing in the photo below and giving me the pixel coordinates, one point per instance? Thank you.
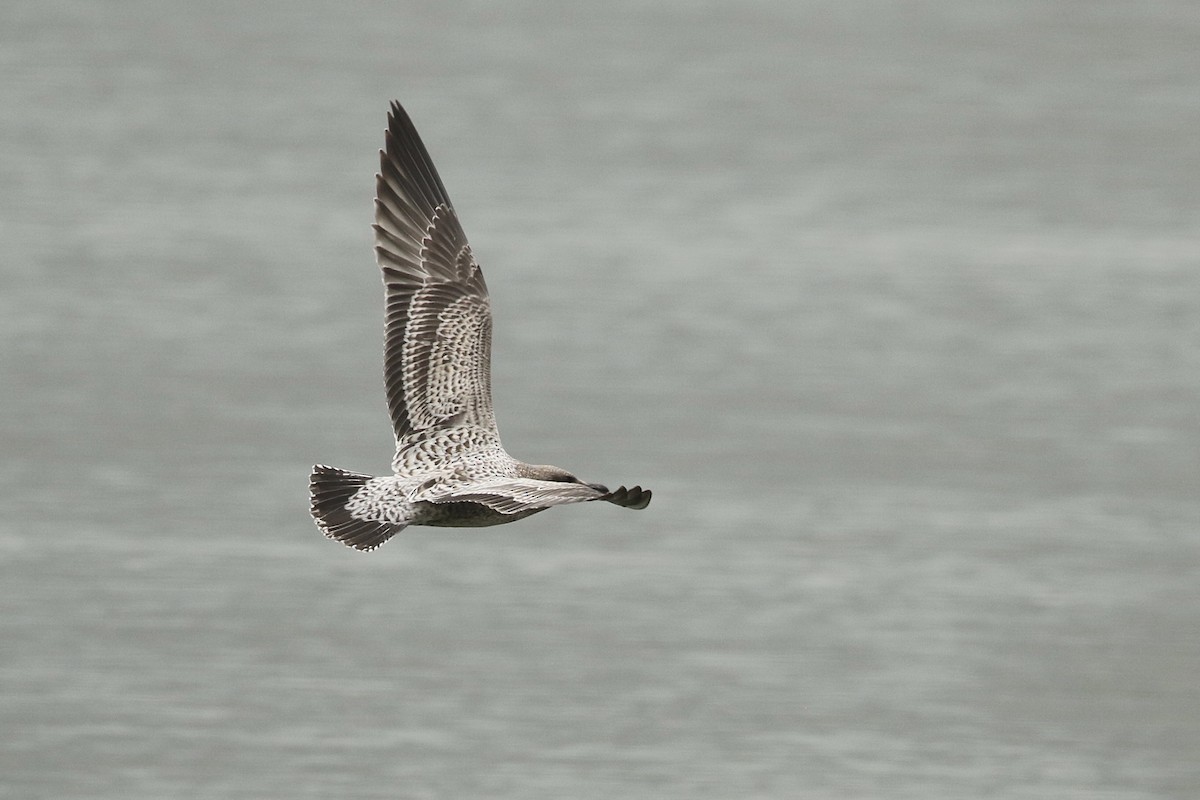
(438, 336)
(512, 496)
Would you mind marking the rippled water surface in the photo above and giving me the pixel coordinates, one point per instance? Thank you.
(895, 306)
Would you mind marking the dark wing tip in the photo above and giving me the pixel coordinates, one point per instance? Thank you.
(636, 498)
(405, 153)
(397, 112)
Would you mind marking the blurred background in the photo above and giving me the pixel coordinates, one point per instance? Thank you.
(896, 307)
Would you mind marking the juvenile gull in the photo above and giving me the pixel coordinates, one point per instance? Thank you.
(450, 468)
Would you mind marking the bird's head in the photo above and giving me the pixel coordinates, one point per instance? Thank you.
(546, 472)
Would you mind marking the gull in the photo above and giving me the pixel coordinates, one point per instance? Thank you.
(450, 468)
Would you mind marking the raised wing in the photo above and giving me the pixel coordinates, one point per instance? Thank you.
(438, 336)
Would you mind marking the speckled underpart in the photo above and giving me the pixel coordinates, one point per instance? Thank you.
(450, 468)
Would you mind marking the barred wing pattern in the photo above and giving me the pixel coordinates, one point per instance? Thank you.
(450, 467)
(518, 495)
(437, 348)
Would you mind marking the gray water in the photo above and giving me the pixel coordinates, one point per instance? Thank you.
(896, 307)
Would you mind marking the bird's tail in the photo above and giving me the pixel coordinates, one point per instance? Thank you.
(331, 490)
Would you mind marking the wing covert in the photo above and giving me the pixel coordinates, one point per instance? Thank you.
(522, 494)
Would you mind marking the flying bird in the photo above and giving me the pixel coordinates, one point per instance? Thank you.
(450, 468)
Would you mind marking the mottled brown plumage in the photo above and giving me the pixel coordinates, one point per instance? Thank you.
(450, 468)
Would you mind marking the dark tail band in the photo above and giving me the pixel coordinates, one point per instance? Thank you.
(330, 489)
